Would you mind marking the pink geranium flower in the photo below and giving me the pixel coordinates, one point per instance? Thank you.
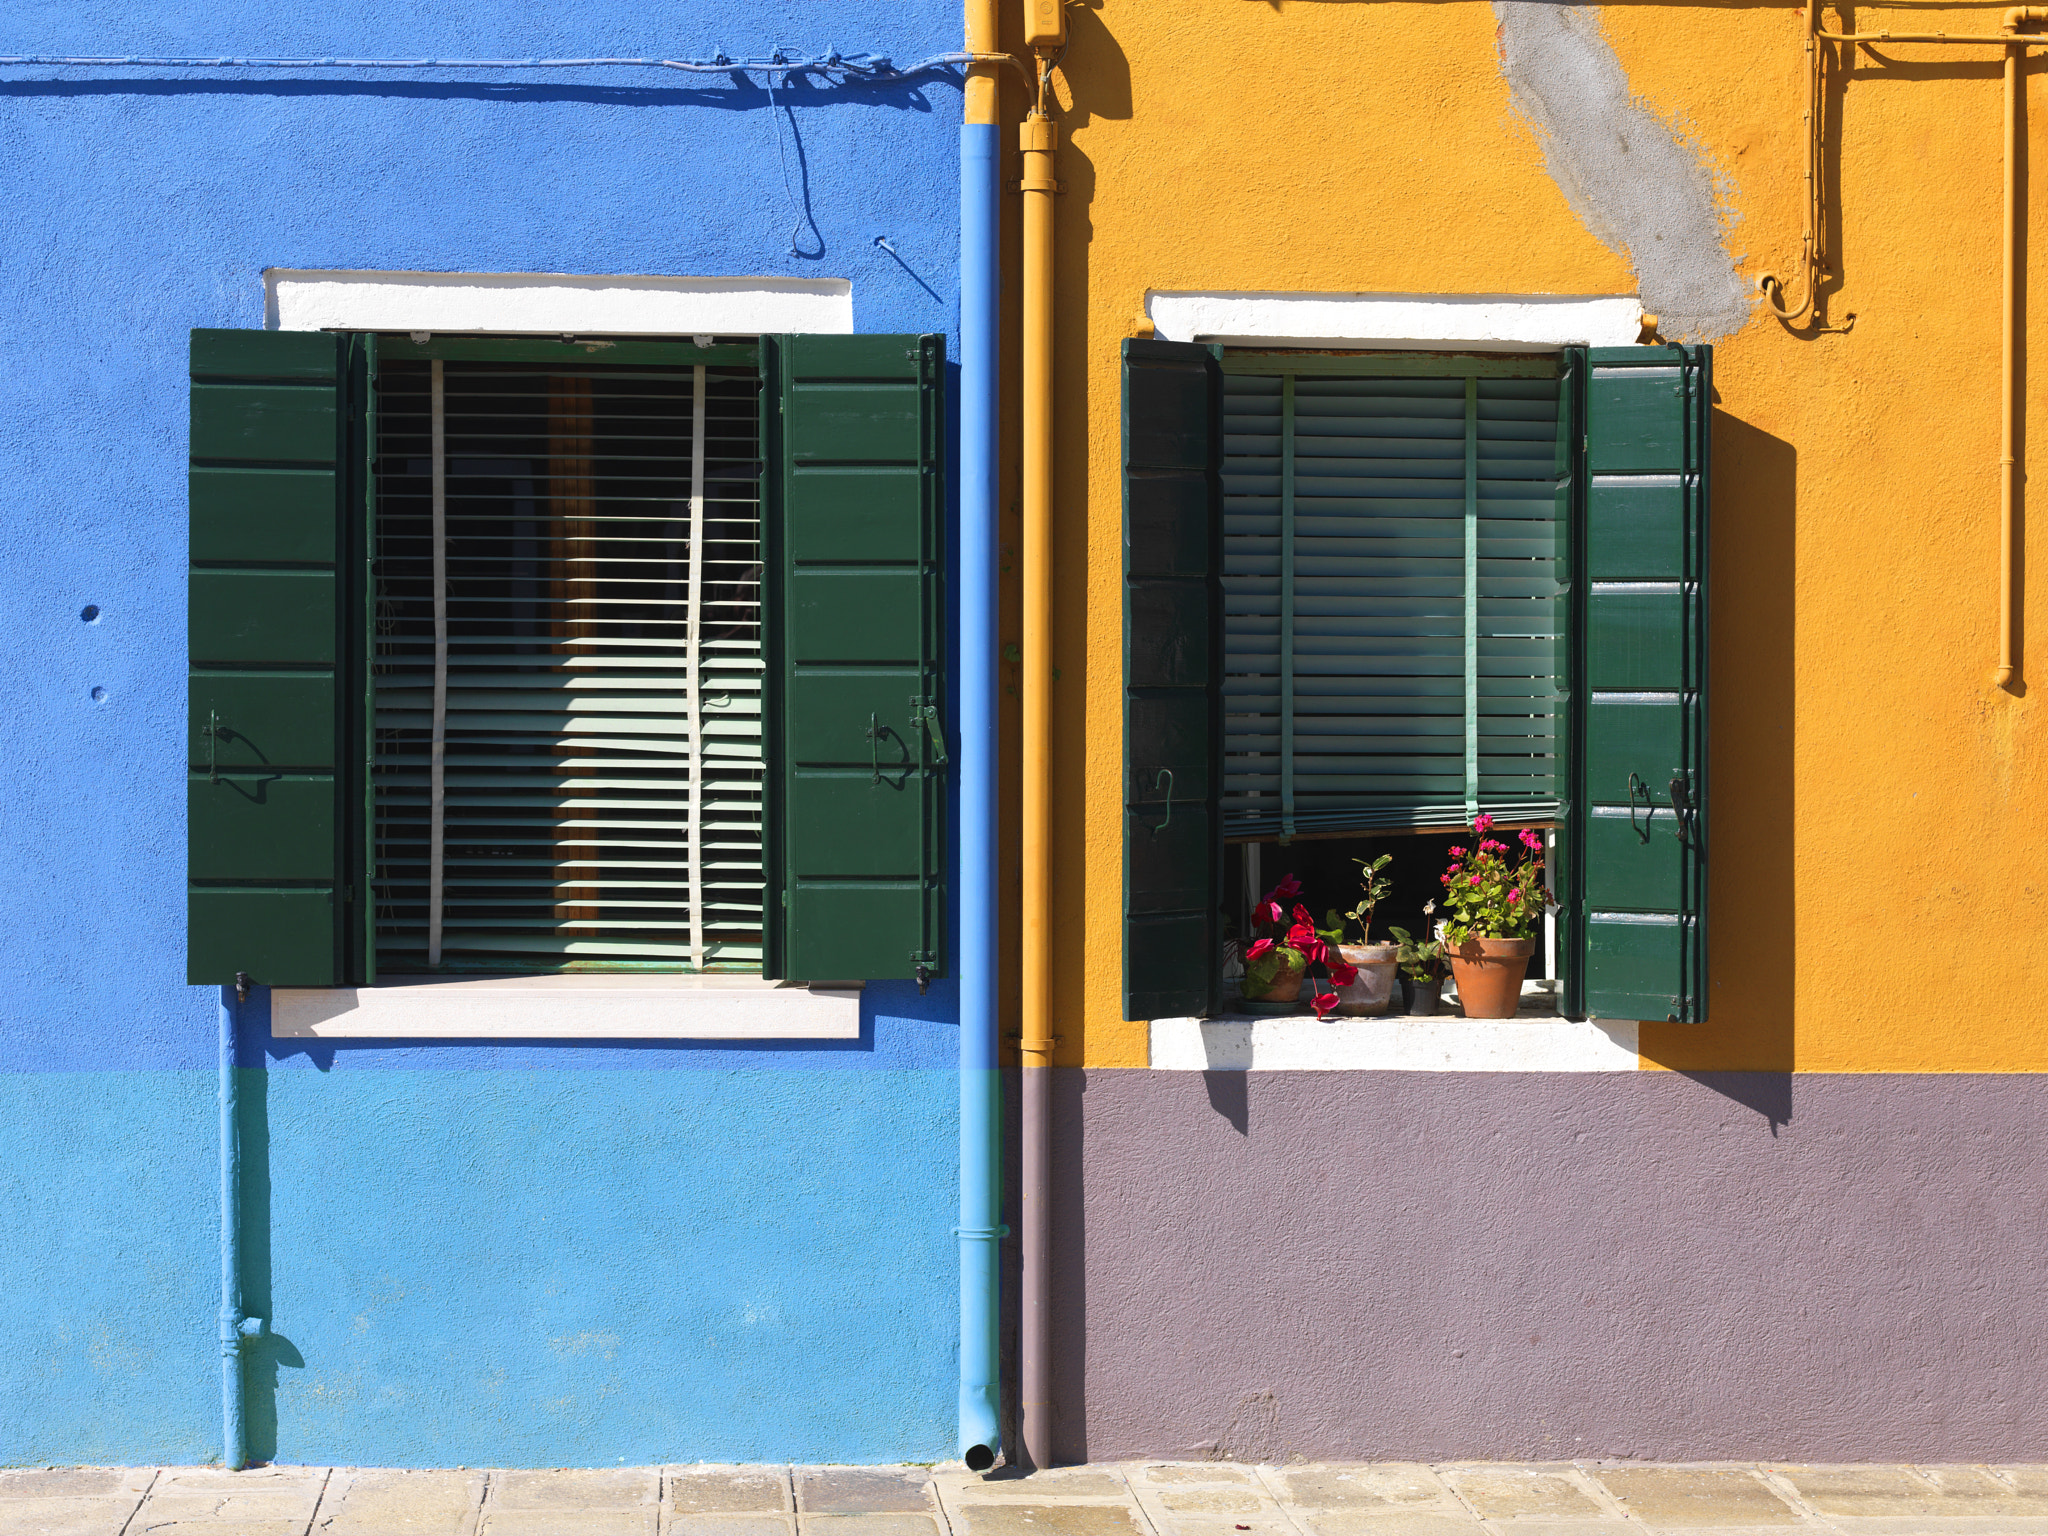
(1259, 950)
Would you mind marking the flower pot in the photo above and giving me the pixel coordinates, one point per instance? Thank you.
(1285, 987)
(1489, 974)
(1422, 998)
(1373, 992)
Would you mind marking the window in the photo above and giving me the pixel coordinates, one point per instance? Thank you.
(1387, 591)
(598, 801)
(689, 657)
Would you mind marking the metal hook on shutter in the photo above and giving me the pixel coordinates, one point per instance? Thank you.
(1681, 803)
(1649, 807)
(212, 736)
(929, 713)
(875, 746)
(1165, 782)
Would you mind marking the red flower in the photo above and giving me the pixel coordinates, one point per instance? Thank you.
(1259, 950)
(1531, 841)
(1342, 975)
(1323, 1002)
(1269, 913)
(1301, 935)
(1482, 822)
(1514, 895)
(1457, 853)
(1286, 890)
(1303, 915)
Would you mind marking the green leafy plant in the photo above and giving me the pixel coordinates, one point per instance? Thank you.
(1419, 959)
(1490, 895)
(1374, 884)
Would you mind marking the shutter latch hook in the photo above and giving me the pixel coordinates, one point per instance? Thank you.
(1649, 807)
(924, 977)
(1681, 803)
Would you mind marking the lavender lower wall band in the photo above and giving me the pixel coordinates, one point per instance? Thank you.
(1531, 1266)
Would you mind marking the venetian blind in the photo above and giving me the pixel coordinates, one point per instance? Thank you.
(591, 536)
(1392, 604)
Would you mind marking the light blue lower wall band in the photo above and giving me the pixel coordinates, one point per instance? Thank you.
(491, 1268)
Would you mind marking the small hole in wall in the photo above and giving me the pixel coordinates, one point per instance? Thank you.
(99, 695)
(90, 613)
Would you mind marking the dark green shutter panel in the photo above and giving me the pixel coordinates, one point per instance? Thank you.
(266, 812)
(1636, 870)
(856, 647)
(1173, 664)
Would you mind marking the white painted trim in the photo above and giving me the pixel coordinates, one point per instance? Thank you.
(1393, 1045)
(570, 1007)
(552, 304)
(1498, 322)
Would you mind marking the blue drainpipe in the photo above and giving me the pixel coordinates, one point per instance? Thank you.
(981, 1092)
(234, 1327)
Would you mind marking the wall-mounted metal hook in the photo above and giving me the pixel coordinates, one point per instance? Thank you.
(1165, 782)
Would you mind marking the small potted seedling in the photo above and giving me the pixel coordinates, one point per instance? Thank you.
(1373, 990)
(1422, 968)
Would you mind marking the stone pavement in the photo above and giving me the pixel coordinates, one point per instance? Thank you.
(1130, 1499)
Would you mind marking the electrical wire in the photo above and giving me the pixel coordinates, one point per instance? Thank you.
(855, 66)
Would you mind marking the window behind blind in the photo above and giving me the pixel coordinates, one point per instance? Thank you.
(1393, 611)
(601, 776)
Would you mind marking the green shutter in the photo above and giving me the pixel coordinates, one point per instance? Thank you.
(1391, 591)
(273, 796)
(1173, 659)
(856, 679)
(1636, 865)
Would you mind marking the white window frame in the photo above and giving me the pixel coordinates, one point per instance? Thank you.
(571, 1005)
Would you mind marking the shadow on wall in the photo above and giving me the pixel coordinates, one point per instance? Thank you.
(265, 1356)
(1752, 922)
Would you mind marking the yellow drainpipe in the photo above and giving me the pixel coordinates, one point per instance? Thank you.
(1038, 138)
(2015, 43)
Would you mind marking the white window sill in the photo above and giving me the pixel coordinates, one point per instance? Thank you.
(570, 1007)
(1535, 1040)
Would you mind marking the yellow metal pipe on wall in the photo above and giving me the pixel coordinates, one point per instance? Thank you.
(2015, 44)
(1038, 137)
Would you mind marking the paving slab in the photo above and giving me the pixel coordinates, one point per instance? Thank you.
(862, 1490)
(1054, 1483)
(1499, 1492)
(382, 1502)
(1273, 1524)
(728, 1490)
(75, 1482)
(1171, 1474)
(1613, 1525)
(1020, 1519)
(2024, 1479)
(1931, 1525)
(567, 1522)
(1390, 1521)
(628, 1488)
(867, 1525)
(1372, 1487)
(1688, 1498)
(731, 1525)
(29, 1516)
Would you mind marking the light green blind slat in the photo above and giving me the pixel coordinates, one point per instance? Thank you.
(1407, 673)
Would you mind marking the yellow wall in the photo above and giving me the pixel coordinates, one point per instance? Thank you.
(1879, 857)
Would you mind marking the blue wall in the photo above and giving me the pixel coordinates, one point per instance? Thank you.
(531, 1255)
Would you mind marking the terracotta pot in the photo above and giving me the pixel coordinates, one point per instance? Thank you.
(1373, 992)
(1285, 987)
(1489, 974)
(1422, 998)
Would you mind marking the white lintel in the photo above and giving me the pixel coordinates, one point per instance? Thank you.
(1391, 321)
(570, 1006)
(554, 303)
(1403, 1044)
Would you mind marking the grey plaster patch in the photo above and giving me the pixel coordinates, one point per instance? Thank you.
(1621, 168)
